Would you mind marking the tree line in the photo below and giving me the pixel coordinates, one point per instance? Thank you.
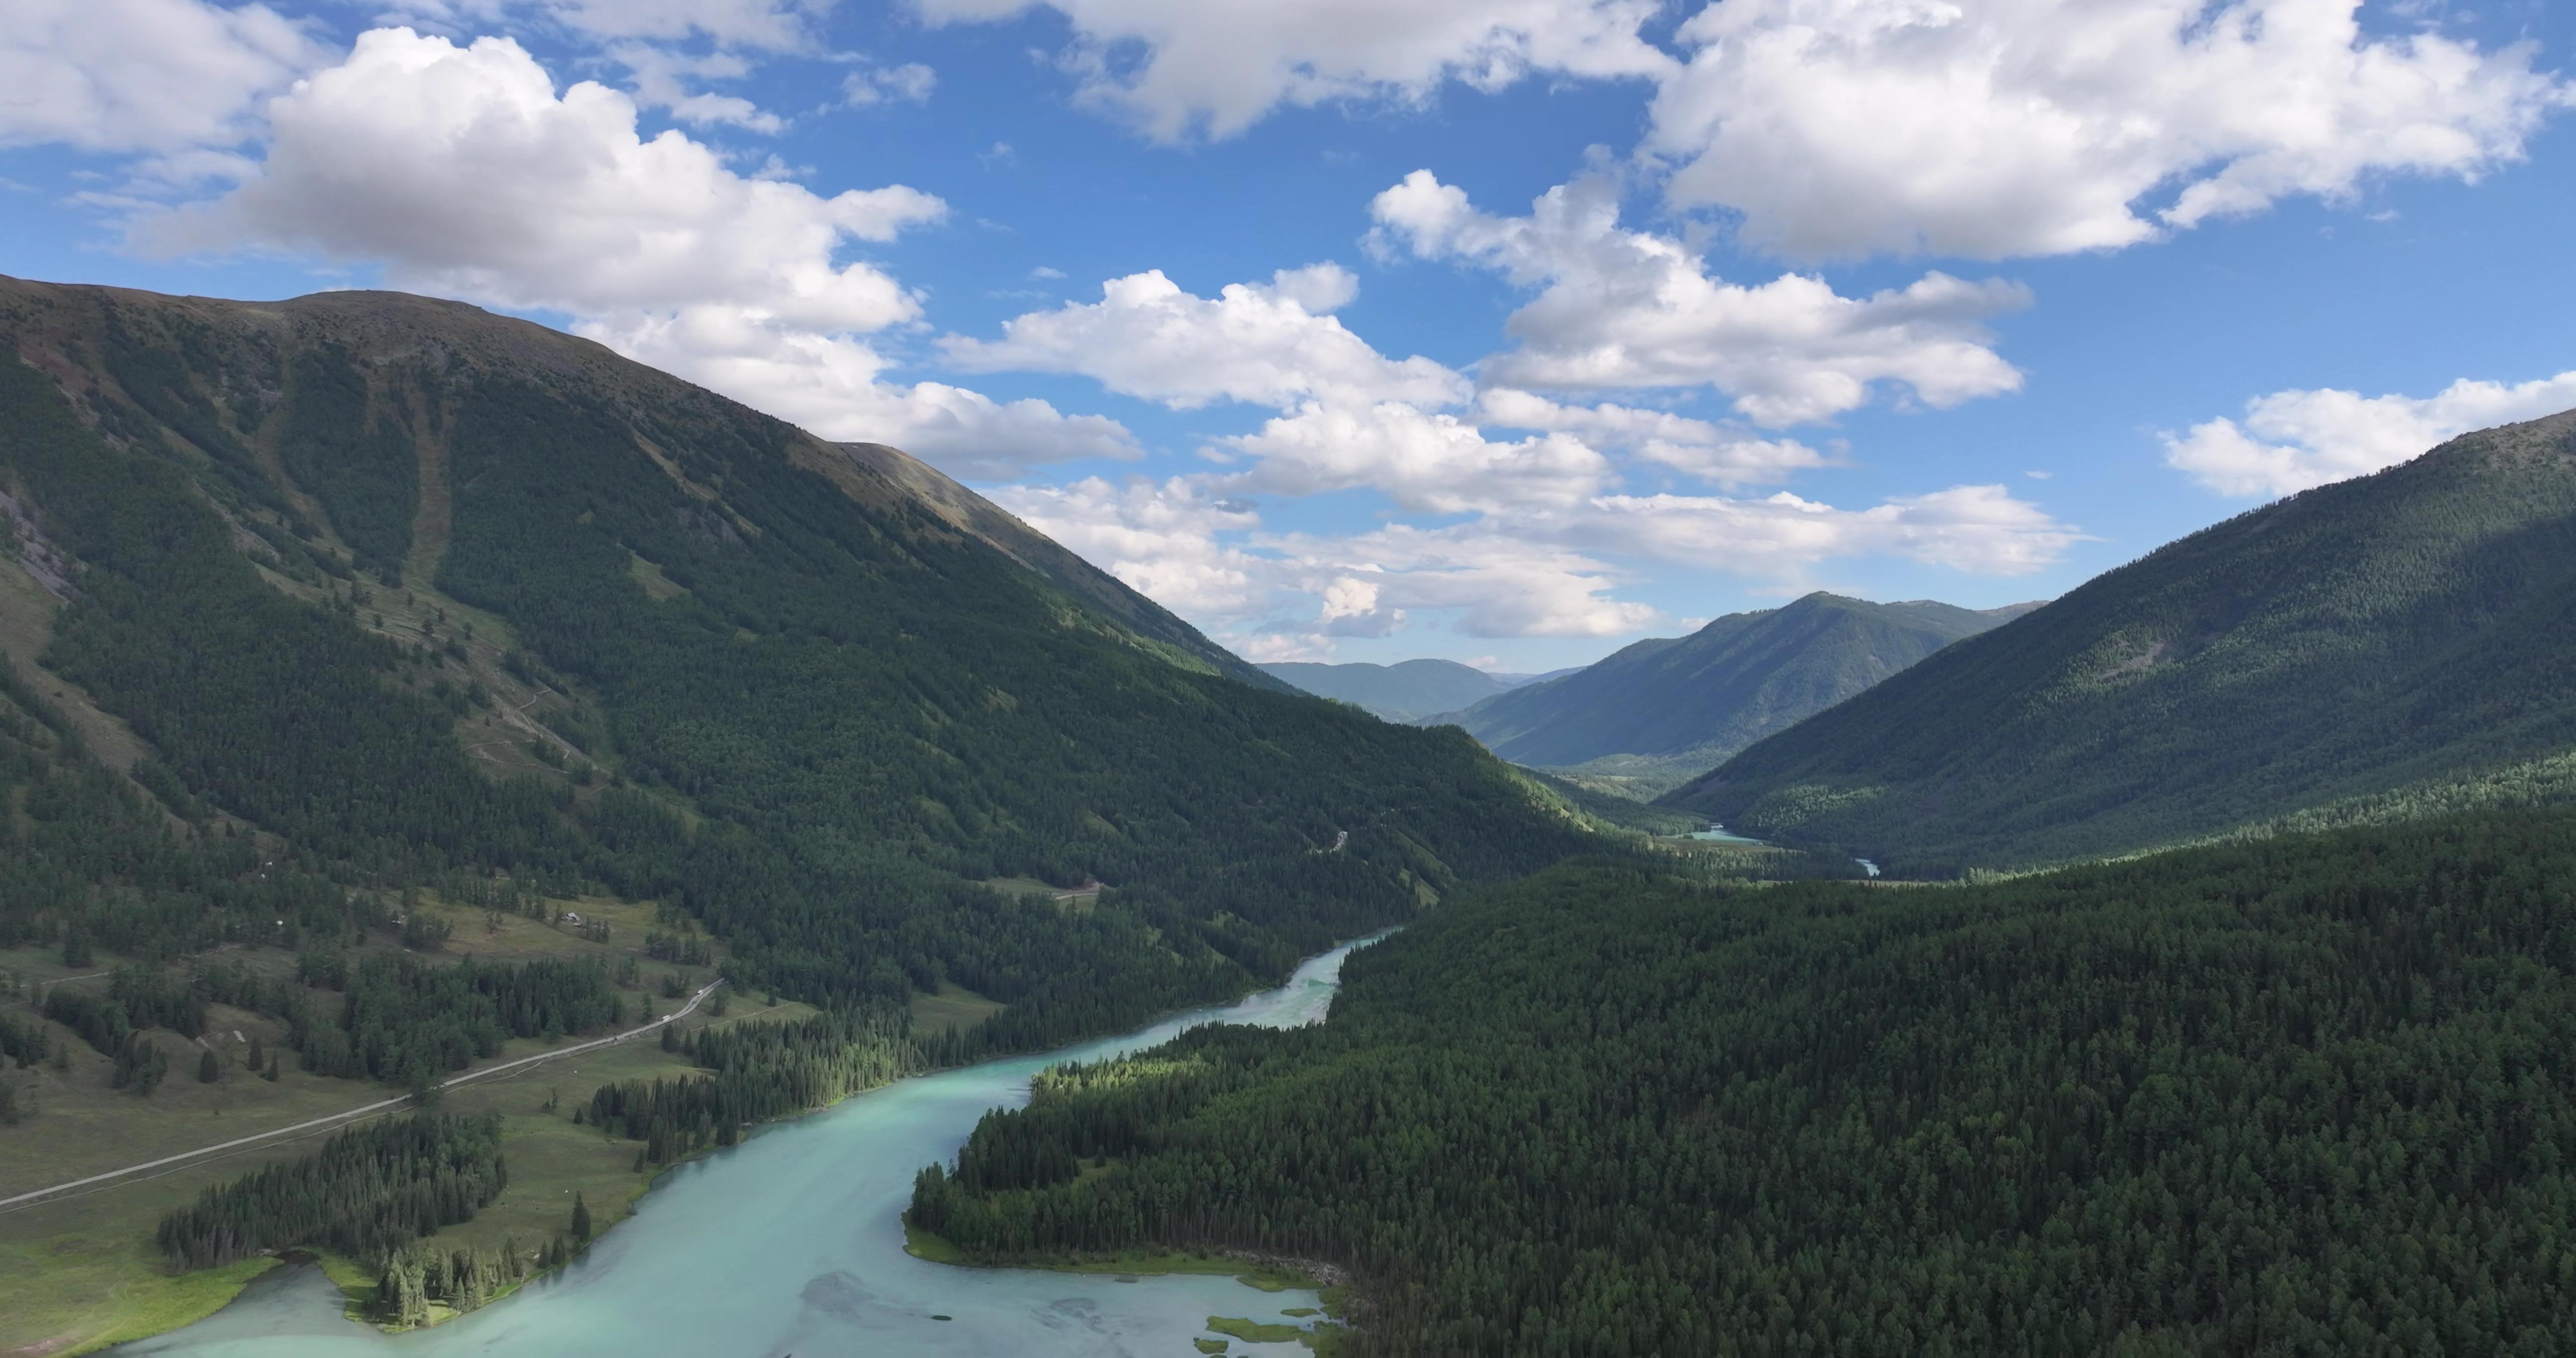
(2309, 1096)
(368, 1192)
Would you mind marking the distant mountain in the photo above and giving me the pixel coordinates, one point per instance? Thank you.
(2371, 640)
(1403, 692)
(1691, 701)
(1516, 680)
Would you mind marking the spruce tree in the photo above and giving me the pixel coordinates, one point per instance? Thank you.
(580, 1218)
(209, 1069)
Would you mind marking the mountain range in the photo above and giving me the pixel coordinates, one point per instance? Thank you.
(1662, 710)
(1406, 691)
(2401, 640)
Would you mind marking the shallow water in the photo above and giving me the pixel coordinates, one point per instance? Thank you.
(792, 1243)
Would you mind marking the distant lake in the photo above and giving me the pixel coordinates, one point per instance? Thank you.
(792, 1243)
(1719, 834)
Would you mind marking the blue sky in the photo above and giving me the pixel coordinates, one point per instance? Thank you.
(1504, 332)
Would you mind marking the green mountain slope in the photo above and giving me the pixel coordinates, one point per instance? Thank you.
(394, 592)
(1694, 700)
(2302, 1097)
(1404, 691)
(2411, 626)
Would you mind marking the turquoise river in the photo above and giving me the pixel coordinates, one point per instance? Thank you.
(792, 1244)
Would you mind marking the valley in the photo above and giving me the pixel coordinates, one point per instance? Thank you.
(638, 807)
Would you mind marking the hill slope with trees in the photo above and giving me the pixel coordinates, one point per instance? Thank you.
(390, 591)
(2353, 641)
(2302, 1097)
(1688, 702)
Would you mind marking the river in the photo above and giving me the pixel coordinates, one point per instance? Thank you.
(792, 1243)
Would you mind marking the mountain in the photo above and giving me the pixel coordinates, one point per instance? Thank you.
(2379, 638)
(308, 606)
(1402, 692)
(1691, 701)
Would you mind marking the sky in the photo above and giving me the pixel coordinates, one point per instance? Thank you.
(1504, 332)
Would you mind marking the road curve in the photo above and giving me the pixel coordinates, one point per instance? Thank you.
(377, 1107)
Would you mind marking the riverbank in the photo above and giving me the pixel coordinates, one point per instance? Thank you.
(84, 1273)
(1331, 1283)
(795, 1234)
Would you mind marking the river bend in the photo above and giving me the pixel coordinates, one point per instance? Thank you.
(791, 1243)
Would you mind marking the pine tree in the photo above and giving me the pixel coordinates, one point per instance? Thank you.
(209, 1069)
(580, 1218)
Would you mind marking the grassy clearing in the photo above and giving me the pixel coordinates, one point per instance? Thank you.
(1080, 900)
(953, 1005)
(922, 1244)
(69, 1291)
(1255, 1332)
(81, 1271)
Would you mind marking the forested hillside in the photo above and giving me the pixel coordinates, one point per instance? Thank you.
(2304, 1097)
(1679, 705)
(2411, 628)
(394, 592)
(1405, 691)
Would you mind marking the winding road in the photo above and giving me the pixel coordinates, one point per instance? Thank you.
(310, 1124)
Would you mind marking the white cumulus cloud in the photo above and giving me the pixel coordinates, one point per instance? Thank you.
(910, 83)
(1500, 583)
(1269, 343)
(1977, 530)
(662, 81)
(1427, 461)
(1215, 69)
(832, 385)
(1160, 538)
(463, 172)
(2293, 440)
(142, 75)
(1703, 449)
(1626, 309)
(1993, 128)
(776, 25)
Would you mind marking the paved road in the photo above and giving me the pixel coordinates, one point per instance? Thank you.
(376, 1107)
